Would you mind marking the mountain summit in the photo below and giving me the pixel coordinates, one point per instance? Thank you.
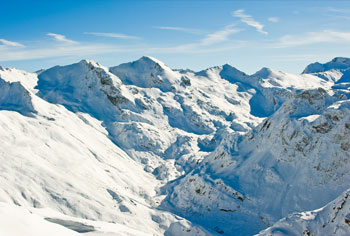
(338, 63)
(146, 72)
(337, 70)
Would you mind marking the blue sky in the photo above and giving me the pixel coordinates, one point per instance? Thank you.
(283, 35)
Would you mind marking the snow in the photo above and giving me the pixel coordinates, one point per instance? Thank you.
(15, 221)
(14, 97)
(141, 149)
(28, 80)
(337, 70)
(332, 219)
(147, 72)
(310, 118)
(278, 168)
(18, 221)
(337, 63)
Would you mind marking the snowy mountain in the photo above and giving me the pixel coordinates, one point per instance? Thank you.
(336, 70)
(300, 152)
(338, 63)
(142, 149)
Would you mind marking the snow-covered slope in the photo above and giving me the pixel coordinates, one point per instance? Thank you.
(297, 159)
(15, 221)
(14, 97)
(333, 219)
(172, 152)
(67, 161)
(19, 221)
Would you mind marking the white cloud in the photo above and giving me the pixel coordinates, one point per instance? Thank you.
(325, 36)
(336, 13)
(112, 35)
(187, 30)
(75, 50)
(337, 10)
(61, 38)
(211, 39)
(219, 36)
(249, 20)
(273, 19)
(212, 42)
(346, 17)
(11, 43)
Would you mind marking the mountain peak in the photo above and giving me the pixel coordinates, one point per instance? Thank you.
(342, 60)
(81, 86)
(146, 72)
(89, 62)
(337, 63)
(263, 72)
(225, 71)
(144, 63)
(231, 73)
(150, 61)
(229, 67)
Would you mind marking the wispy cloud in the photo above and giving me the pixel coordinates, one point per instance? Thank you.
(61, 38)
(112, 35)
(187, 30)
(337, 10)
(216, 41)
(52, 51)
(11, 43)
(345, 17)
(336, 13)
(273, 19)
(325, 36)
(219, 36)
(249, 20)
(213, 42)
